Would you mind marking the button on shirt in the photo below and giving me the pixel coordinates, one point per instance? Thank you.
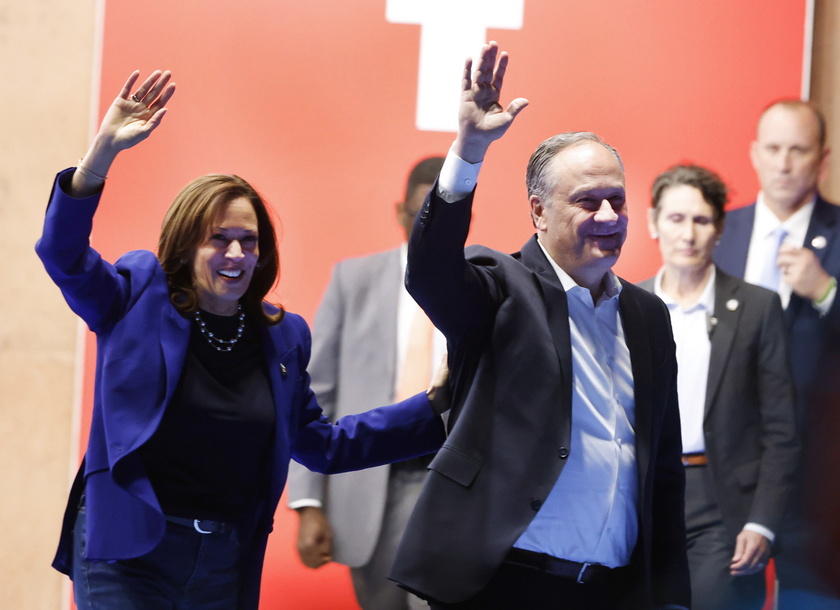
(591, 514)
(691, 334)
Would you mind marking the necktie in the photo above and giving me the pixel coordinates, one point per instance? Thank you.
(770, 272)
(417, 365)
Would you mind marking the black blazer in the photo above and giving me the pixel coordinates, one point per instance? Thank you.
(506, 322)
(749, 422)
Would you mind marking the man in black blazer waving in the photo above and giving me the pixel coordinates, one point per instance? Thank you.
(560, 484)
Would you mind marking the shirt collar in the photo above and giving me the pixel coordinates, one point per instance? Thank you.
(612, 285)
(706, 300)
(403, 257)
(796, 226)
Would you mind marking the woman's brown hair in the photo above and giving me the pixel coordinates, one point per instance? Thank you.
(186, 226)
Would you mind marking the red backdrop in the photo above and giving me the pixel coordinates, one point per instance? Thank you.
(314, 103)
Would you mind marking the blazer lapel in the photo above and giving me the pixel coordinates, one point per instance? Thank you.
(557, 313)
(722, 333)
(734, 251)
(279, 358)
(636, 336)
(175, 340)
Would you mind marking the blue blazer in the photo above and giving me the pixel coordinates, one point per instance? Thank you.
(142, 343)
(806, 327)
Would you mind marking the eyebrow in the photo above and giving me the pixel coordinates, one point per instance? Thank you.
(228, 229)
(600, 192)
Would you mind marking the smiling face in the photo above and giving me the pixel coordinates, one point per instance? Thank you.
(224, 262)
(582, 221)
(685, 225)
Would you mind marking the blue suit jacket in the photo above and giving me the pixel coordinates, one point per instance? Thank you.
(806, 327)
(142, 342)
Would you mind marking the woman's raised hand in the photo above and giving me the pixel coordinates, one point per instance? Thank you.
(130, 119)
(133, 116)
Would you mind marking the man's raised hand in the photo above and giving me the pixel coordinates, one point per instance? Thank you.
(481, 118)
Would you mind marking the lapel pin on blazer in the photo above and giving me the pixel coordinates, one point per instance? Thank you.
(711, 322)
(732, 304)
(283, 370)
(819, 242)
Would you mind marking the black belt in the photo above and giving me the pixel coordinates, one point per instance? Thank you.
(202, 526)
(579, 572)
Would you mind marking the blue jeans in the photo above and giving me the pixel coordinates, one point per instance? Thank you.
(186, 571)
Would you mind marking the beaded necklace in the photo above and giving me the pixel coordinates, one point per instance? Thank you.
(221, 345)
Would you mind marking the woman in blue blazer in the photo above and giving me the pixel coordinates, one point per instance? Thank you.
(201, 395)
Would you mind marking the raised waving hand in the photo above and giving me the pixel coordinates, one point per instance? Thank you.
(481, 118)
(130, 119)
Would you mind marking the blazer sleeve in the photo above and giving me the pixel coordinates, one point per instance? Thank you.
(779, 439)
(384, 435)
(93, 288)
(460, 298)
(670, 574)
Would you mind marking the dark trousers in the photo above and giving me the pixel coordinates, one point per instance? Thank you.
(186, 571)
(515, 587)
(710, 548)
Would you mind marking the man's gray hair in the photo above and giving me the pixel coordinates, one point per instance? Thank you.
(535, 177)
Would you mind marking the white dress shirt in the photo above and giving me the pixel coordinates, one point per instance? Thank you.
(591, 514)
(691, 327)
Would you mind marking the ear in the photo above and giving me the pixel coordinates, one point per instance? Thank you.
(651, 223)
(754, 154)
(538, 212)
(826, 155)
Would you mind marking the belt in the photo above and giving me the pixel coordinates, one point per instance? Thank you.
(694, 459)
(202, 526)
(579, 572)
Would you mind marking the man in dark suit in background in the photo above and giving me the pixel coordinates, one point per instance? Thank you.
(561, 483)
(789, 241)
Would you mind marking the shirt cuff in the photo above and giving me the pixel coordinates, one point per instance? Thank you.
(305, 503)
(760, 529)
(824, 304)
(457, 178)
